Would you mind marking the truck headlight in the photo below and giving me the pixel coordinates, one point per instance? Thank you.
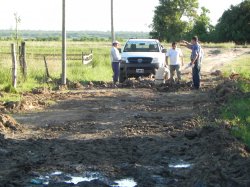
(124, 59)
(155, 60)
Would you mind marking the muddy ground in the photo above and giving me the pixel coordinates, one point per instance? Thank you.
(157, 136)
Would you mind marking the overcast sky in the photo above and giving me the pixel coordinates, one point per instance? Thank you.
(130, 15)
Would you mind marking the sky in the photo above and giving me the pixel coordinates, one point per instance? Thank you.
(129, 15)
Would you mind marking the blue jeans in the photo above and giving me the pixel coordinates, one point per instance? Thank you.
(196, 75)
(116, 71)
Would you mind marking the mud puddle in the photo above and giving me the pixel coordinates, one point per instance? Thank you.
(180, 165)
(58, 178)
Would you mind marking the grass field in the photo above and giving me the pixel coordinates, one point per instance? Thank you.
(240, 65)
(98, 70)
(237, 110)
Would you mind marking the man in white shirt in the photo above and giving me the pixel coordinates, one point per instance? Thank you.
(115, 60)
(176, 59)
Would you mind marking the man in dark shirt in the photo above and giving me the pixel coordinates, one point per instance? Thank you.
(195, 60)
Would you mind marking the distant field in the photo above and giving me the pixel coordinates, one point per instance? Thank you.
(72, 35)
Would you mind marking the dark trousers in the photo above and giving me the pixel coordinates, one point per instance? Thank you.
(174, 68)
(196, 75)
(116, 71)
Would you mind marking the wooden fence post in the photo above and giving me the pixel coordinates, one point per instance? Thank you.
(23, 57)
(82, 57)
(14, 66)
(46, 67)
(20, 56)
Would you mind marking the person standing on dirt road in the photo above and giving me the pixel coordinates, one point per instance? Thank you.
(195, 60)
(115, 60)
(176, 59)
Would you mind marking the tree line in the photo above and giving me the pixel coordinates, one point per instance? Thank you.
(179, 19)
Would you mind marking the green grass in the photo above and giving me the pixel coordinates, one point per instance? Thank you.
(100, 69)
(219, 45)
(10, 97)
(241, 66)
(237, 114)
(224, 45)
(237, 110)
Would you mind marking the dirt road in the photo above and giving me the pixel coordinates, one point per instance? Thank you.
(125, 137)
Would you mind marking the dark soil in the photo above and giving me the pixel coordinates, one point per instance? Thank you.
(124, 132)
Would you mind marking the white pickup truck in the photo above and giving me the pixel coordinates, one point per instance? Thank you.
(141, 57)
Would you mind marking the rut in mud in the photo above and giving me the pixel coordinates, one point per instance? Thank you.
(163, 136)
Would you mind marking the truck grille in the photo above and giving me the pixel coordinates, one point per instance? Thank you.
(138, 60)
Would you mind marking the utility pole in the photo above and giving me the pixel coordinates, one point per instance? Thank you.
(112, 22)
(64, 43)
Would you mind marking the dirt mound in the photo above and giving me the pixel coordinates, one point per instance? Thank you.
(234, 76)
(217, 73)
(132, 83)
(226, 89)
(222, 159)
(40, 90)
(8, 124)
(173, 87)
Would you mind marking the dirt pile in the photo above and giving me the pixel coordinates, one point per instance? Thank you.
(131, 83)
(168, 86)
(173, 87)
(226, 89)
(221, 159)
(217, 73)
(9, 125)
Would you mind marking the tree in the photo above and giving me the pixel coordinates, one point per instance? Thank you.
(173, 18)
(234, 24)
(17, 21)
(202, 26)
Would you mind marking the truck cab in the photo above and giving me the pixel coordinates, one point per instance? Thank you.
(141, 57)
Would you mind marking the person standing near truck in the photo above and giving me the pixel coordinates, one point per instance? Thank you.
(175, 56)
(115, 60)
(195, 60)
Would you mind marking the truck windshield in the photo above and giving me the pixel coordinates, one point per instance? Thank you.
(141, 46)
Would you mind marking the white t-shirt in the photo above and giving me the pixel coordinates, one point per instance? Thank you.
(115, 55)
(174, 55)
